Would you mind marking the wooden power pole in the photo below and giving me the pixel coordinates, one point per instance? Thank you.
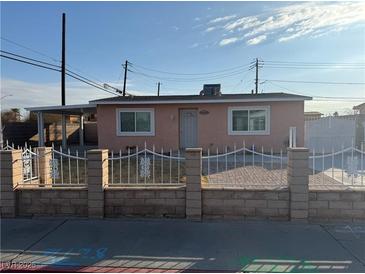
(63, 61)
(158, 88)
(257, 76)
(125, 76)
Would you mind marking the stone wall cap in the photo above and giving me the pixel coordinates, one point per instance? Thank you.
(97, 151)
(194, 149)
(169, 187)
(299, 149)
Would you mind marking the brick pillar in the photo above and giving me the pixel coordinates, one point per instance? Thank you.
(97, 178)
(193, 171)
(11, 172)
(298, 172)
(45, 157)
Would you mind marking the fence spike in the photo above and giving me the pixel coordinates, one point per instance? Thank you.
(120, 166)
(137, 179)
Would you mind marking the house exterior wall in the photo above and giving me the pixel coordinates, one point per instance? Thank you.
(212, 126)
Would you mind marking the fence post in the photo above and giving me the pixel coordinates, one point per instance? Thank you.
(193, 171)
(298, 180)
(44, 161)
(97, 179)
(11, 172)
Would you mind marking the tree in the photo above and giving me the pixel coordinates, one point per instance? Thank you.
(9, 116)
(335, 114)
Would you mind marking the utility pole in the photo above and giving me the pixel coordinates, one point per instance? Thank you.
(158, 88)
(257, 76)
(63, 64)
(125, 76)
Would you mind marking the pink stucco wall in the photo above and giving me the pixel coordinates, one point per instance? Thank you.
(212, 127)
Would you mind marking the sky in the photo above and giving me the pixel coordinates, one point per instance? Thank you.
(185, 45)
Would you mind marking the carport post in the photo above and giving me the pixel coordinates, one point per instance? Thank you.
(40, 123)
(81, 129)
(64, 132)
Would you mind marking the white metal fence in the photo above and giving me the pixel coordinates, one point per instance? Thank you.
(345, 167)
(146, 167)
(65, 168)
(68, 169)
(30, 162)
(245, 166)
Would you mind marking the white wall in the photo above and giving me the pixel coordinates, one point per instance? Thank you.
(329, 132)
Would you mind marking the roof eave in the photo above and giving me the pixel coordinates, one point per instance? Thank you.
(198, 101)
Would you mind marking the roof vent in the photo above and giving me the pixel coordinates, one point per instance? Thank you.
(211, 90)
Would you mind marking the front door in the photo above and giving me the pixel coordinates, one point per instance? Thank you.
(188, 128)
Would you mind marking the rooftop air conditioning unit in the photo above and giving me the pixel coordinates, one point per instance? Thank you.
(211, 90)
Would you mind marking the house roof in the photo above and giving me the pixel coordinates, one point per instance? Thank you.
(359, 106)
(224, 98)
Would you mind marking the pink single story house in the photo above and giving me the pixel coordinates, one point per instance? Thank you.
(208, 120)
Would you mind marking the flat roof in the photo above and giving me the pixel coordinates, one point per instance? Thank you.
(193, 99)
(68, 109)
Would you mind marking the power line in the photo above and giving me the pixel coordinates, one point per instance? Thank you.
(30, 49)
(315, 63)
(29, 63)
(77, 77)
(181, 79)
(91, 84)
(315, 96)
(315, 67)
(315, 82)
(190, 74)
(27, 58)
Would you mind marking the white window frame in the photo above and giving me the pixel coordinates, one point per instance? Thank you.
(140, 133)
(249, 132)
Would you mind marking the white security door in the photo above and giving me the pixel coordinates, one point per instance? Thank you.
(188, 128)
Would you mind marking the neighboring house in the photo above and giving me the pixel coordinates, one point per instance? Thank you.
(360, 108)
(312, 115)
(207, 121)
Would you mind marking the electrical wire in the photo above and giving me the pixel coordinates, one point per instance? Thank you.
(315, 96)
(70, 73)
(30, 49)
(27, 58)
(314, 63)
(29, 63)
(315, 82)
(190, 74)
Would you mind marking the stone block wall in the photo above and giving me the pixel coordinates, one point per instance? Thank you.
(52, 202)
(145, 201)
(333, 206)
(220, 203)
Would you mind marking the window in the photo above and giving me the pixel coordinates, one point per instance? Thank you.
(135, 122)
(248, 120)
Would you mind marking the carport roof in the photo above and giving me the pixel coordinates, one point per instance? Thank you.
(68, 109)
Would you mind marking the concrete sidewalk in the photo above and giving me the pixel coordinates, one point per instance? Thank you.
(180, 245)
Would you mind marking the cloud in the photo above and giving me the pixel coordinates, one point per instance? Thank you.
(210, 29)
(222, 19)
(195, 45)
(310, 19)
(228, 41)
(256, 40)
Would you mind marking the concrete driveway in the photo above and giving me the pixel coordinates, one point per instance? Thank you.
(182, 246)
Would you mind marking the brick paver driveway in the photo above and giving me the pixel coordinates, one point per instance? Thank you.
(257, 177)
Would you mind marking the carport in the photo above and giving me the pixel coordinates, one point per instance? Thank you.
(65, 111)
